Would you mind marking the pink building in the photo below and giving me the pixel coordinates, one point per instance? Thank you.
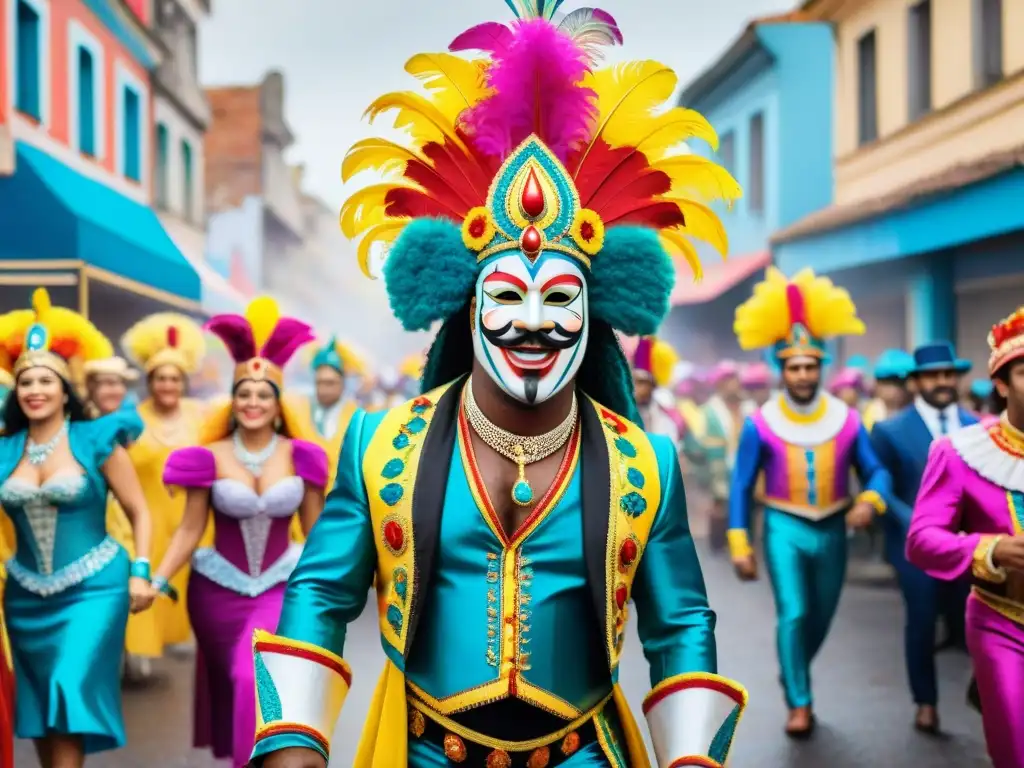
(77, 161)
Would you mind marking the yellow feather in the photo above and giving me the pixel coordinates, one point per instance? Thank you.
(677, 244)
(385, 232)
(41, 303)
(663, 362)
(424, 121)
(454, 83)
(385, 157)
(262, 314)
(366, 208)
(703, 224)
(676, 127)
(696, 176)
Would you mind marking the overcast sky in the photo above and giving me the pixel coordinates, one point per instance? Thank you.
(338, 55)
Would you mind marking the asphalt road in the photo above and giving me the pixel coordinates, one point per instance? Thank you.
(861, 697)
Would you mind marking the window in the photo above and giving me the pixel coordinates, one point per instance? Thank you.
(132, 134)
(919, 60)
(755, 184)
(988, 42)
(867, 89)
(28, 97)
(727, 152)
(188, 208)
(86, 103)
(162, 145)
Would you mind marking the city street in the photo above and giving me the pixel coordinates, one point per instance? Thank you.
(862, 702)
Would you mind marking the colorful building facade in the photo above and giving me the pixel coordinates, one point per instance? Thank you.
(927, 225)
(76, 162)
(769, 98)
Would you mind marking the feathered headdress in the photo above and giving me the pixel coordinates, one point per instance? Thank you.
(795, 317)
(657, 359)
(339, 356)
(534, 148)
(262, 341)
(1006, 341)
(51, 337)
(166, 338)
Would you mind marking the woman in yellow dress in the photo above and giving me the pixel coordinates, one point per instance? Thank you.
(168, 348)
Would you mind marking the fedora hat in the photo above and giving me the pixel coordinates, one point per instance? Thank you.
(938, 356)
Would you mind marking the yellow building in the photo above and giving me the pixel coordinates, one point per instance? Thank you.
(927, 224)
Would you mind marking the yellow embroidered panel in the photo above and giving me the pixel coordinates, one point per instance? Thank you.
(389, 471)
(635, 496)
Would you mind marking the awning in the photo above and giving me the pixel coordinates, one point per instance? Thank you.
(50, 213)
(718, 278)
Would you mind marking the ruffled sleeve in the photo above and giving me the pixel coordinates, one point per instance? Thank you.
(101, 436)
(193, 467)
(310, 461)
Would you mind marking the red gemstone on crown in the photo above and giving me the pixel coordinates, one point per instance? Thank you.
(628, 552)
(531, 241)
(532, 199)
(394, 535)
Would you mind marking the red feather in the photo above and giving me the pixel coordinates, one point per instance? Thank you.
(172, 337)
(654, 214)
(401, 202)
(606, 171)
(614, 198)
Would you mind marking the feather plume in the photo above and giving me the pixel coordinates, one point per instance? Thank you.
(385, 157)
(675, 127)
(679, 246)
(263, 315)
(151, 335)
(592, 30)
(365, 208)
(453, 83)
(696, 176)
(537, 90)
(385, 234)
(288, 335)
(491, 36)
(41, 304)
(702, 223)
(236, 333)
(423, 119)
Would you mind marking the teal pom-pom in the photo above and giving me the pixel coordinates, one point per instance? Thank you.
(631, 281)
(429, 273)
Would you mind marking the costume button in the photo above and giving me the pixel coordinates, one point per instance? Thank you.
(539, 758)
(499, 759)
(454, 748)
(417, 723)
(570, 744)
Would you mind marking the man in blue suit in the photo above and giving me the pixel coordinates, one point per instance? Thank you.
(902, 444)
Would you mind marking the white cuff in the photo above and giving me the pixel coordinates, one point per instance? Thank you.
(693, 718)
(300, 688)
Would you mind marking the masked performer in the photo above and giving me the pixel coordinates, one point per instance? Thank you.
(969, 521)
(70, 585)
(169, 349)
(653, 365)
(252, 473)
(806, 442)
(507, 589)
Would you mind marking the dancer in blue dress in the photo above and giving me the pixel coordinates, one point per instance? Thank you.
(70, 586)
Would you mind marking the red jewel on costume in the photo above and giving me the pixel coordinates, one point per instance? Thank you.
(587, 231)
(628, 552)
(532, 199)
(394, 536)
(531, 241)
(621, 593)
(499, 759)
(477, 227)
(570, 744)
(539, 758)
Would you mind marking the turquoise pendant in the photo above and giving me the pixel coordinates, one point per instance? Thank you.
(522, 493)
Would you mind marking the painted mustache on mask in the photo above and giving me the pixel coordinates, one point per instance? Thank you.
(508, 337)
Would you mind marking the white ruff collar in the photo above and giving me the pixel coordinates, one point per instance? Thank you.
(980, 452)
(806, 434)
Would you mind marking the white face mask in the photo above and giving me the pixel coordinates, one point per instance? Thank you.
(531, 324)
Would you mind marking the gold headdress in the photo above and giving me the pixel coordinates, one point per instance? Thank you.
(49, 337)
(166, 338)
(795, 317)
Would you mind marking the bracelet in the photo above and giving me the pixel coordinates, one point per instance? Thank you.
(164, 587)
(140, 569)
(989, 563)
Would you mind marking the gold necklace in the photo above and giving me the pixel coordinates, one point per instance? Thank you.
(520, 449)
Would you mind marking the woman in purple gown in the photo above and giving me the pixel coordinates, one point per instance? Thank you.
(252, 473)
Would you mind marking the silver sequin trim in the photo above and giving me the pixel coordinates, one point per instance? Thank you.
(213, 565)
(45, 585)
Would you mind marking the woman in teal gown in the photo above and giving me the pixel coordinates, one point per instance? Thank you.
(70, 586)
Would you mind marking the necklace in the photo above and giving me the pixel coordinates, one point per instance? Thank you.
(520, 449)
(38, 453)
(253, 460)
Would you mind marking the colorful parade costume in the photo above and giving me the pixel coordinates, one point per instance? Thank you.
(525, 196)
(237, 584)
(655, 360)
(66, 599)
(971, 494)
(806, 453)
(902, 443)
(174, 340)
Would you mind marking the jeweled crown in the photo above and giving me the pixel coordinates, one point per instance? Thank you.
(1006, 340)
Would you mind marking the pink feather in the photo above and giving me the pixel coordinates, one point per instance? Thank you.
(537, 90)
(490, 36)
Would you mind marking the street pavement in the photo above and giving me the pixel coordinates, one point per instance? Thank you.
(862, 702)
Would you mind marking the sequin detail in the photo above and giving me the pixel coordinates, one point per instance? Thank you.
(394, 616)
(39, 504)
(493, 589)
(210, 563)
(400, 583)
(392, 493)
(524, 580)
(417, 723)
(454, 748)
(255, 535)
(266, 692)
(45, 585)
(633, 504)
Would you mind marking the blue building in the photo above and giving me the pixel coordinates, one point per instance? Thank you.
(769, 97)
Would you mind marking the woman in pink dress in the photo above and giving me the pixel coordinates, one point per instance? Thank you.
(969, 520)
(253, 474)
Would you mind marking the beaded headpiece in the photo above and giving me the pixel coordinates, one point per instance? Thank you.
(535, 148)
(795, 317)
(50, 337)
(1006, 340)
(166, 338)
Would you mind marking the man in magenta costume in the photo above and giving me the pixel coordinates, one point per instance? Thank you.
(969, 520)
